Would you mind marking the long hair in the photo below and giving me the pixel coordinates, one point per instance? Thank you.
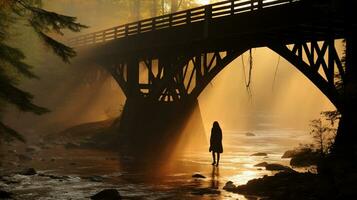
(216, 126)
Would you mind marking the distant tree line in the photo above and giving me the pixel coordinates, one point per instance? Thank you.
(158, 7)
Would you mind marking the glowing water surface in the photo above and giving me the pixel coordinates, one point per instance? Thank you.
(174, 181)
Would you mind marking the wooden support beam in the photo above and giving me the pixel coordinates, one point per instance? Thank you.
(331, 62)
(133, 78)
(326, 88)
(198, 67)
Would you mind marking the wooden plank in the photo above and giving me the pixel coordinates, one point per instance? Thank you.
(218, 10)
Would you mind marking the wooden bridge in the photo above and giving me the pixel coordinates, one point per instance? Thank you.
(203, 13)
(162, 64)
(180, 53)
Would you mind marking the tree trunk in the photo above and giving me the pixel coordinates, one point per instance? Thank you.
(346, 138)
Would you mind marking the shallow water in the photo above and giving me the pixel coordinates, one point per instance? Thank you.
(89, 171)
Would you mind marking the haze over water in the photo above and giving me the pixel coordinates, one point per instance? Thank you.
(277, 112)
(165, 180)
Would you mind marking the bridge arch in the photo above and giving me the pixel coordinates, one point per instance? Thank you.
(173, 78)
(182, 52)
(168, 45)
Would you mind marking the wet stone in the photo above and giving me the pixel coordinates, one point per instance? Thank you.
(24, 157)
(94, 178)
(28, 172)
(197, 175)
(5, 194)
(262, 164)
(71, 145)
(278, 167)
(249, 134)
(107, 194)
(32, 149)
(259, 154)
(289, 154)
(203, 191)
(229, 186)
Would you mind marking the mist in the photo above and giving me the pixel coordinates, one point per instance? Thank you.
(80, 94)
(159, 142)
(290, 101)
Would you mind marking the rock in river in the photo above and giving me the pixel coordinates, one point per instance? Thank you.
(5, 195)
(262, 164)
(197, 175)
(94, 178)
(32, 149)
(249, 134)
(107, 194)
(229, 186)
(71, 145)
(28, 172)
(259, 154)
(24, 157)
(278, 167)
(289, 154)
(203, 191)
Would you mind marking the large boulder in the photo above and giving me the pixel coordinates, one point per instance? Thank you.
(107, 194)
(289, 153)
(305, 158)
(289, 186)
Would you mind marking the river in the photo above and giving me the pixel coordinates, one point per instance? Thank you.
(80, 173)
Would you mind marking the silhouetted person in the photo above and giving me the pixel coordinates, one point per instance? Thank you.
(216, 142)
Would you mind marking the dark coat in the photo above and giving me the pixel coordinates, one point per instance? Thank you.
(216, 140)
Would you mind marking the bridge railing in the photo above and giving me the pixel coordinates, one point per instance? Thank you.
(207, 12)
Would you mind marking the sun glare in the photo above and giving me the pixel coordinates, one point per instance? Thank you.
(202, 2)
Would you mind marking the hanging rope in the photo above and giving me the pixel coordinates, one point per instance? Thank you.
(276, 72)
(248, 82)
(245, 77)
(250, 68)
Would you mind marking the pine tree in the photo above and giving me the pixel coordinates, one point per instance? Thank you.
(12, 64)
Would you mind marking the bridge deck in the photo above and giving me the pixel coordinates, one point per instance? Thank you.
(223, 25)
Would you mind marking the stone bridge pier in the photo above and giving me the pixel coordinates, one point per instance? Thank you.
(151, 129)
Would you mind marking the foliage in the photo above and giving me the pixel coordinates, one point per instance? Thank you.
(157, 7)
(305, 156)
(339, 83)
(12, 60)
(332, 116)
(323, 133)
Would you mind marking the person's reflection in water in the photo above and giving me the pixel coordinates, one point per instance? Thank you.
(215, 178)
(216, 143)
